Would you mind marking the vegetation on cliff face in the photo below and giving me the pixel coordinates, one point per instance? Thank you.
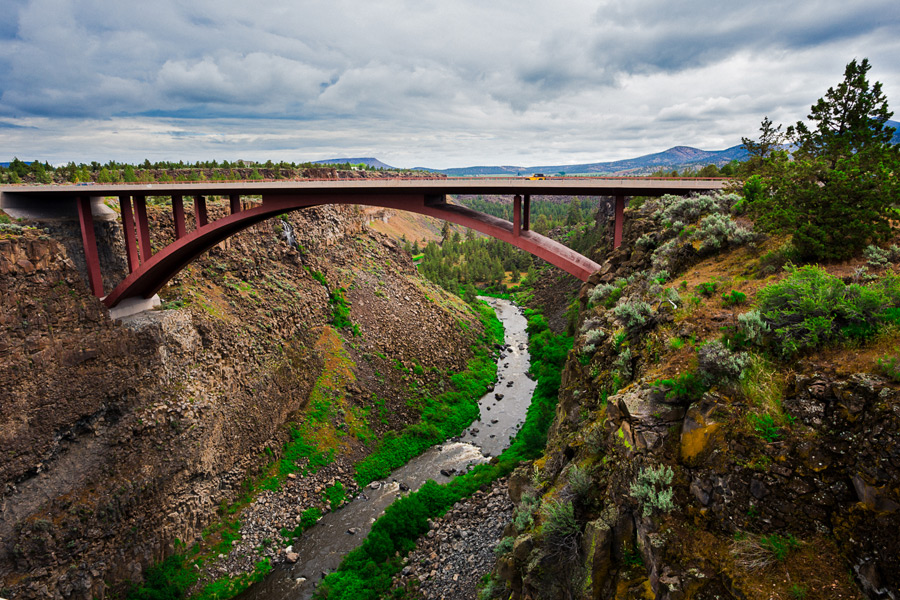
(737, 420)
(708, 444)
(444, 415)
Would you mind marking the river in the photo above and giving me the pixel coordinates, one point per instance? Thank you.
(322, 547)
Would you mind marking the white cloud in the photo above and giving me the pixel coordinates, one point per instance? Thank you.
(439, 84)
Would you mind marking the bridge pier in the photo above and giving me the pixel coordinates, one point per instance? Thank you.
(200, 214)
(619, 221)
(131, 249)
(517, 215)
(526, 213)
(178, 215)
(89, 241)
(143, 225)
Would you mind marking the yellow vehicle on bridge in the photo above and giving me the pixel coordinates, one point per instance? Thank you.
(537, 176)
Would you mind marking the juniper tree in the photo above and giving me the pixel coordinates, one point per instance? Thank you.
(837, 192)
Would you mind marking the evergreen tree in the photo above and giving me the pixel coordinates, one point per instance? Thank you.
(104, 176)
(836, 194)
(40, 173)
(573, 217)
(18, 167)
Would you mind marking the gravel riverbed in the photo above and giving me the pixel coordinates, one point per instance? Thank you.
(450, 560)
(262, 521)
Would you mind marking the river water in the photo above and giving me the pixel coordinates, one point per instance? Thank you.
(322, 547)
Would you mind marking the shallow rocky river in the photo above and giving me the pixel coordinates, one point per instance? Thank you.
(320, 549)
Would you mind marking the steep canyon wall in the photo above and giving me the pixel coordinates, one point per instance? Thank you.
(119, 438)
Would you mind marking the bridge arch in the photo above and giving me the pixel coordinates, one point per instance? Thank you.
(154, 273)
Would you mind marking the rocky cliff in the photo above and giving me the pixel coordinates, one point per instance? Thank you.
(120, 438)
(692, 460)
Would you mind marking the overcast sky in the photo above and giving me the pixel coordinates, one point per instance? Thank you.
(424, 83)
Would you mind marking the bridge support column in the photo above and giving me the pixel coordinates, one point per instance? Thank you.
(619, 221)
(131, 249)
(517, 215)
(89, 242)
(234, 201)
(200, 213)
(526, 213)
(178, 215)
(140, 211)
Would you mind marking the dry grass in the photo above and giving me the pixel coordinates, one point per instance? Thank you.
(752, 554)
(763, 384)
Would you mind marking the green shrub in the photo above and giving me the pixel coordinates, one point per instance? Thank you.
(622, 367)
(491, 588)
(734, 298)
(334, 495)
(810, 308)
(720, 230)
(591, 339)
(319, 277)
(707, 289)
(229, 587)
(631, 557)
(758, 552)
(504, 546)
(753, 326)
(167, 580)
(606, 294)
(560, 529)
(689, 209)
(876, 257)
(780, 546)
(889, 366)
(684, 389)
(524, 515)
(765, 426)
(578, 482)
(646, 242)
(651, 489)
(716, 363)
(633, 314)
(340, 310)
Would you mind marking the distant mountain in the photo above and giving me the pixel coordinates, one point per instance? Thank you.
(896, 126)
(372, 163)
(679, 158)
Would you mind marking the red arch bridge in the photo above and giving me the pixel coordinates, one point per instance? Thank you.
(149, 272)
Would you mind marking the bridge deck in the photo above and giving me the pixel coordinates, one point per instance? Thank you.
(560, 186)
